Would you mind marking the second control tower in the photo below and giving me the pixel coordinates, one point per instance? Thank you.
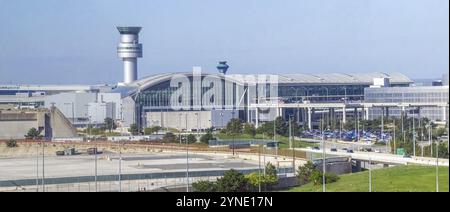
(129, 50)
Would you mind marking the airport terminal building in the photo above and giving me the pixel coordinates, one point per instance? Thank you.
(198, 100)
(150, 101)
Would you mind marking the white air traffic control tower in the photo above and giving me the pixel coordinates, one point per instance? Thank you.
(129, 50)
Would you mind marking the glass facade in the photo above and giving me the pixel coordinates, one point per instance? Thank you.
(425, 94)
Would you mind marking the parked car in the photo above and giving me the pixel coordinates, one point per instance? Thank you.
(350, 151)
(333, 149)
(60, 153)
(316, 148)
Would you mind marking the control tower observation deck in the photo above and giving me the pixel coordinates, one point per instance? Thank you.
(129, 50)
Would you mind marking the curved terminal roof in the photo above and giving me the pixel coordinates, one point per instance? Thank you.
(286, 79)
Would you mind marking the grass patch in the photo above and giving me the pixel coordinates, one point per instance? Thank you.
(394, 179)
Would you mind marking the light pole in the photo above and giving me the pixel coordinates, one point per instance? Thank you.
(120, 166)
(37, 166)
(437, 166)
(179, 126)
(274, 136)
(324, 189)
(233, 133)
(395, 138)
(370, 174)
(43, 166)
(259, 168)
(198, 125)
(414, 133)
(187, 165)
(291, 142)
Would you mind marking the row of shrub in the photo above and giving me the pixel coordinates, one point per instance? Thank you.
(234, 181)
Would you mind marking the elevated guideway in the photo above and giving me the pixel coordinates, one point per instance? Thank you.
(383, 158)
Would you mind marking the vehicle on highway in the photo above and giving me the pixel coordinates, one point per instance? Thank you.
(367, 150)
(93, 151)
(333, 149)
(60, 153)
(350, 151)
(316, 148)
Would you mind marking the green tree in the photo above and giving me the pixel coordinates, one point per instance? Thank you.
(170, 137)
(249, 129)
(152, 130)
(11, 143)
(191, 139)
(266, 128)
(206, 138)
(234, 126)
(233, 181)
(134, 130)
(271, 176)
(266, 180)
(33, 133)
(204, 186)
(110, 124)
(317, 178)
(304, 173)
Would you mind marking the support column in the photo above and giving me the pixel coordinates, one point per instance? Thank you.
(366, 117)
(444, 114)
(257, 118)
(344, 115)
(310, 118)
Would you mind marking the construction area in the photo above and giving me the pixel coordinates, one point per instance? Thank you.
(141, 167)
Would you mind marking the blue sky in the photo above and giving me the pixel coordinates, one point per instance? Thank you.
(74, 41)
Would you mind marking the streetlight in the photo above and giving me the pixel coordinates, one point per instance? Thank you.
(37, 166)
(120, 166)
(187, 165)
(259, 168)
(233, 133)
(437, 166)
(198, 125)
(324, 189)
(370, 174)
(291, 144)
(414, 132)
